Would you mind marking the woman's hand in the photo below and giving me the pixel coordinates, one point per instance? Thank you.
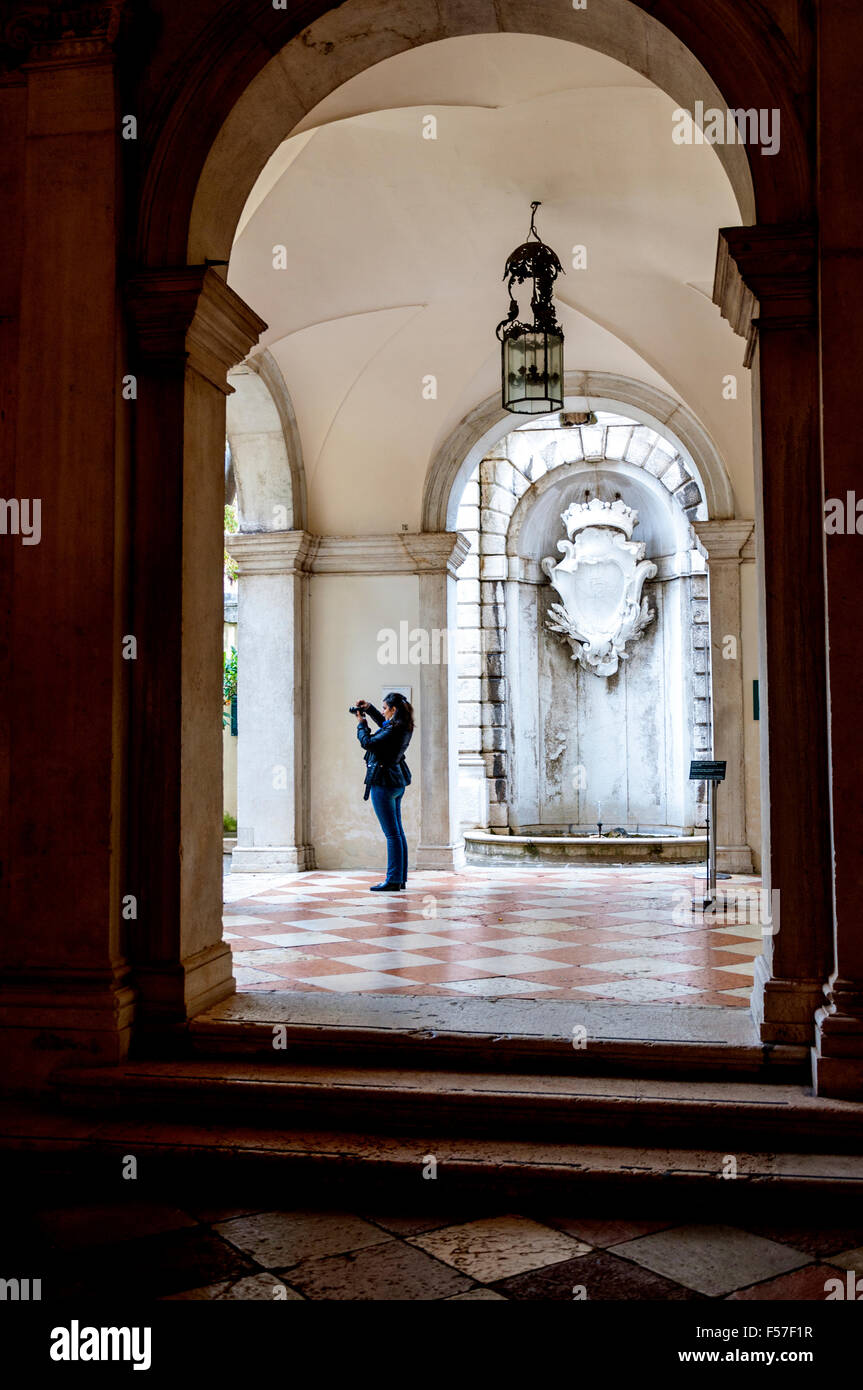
(361, 704)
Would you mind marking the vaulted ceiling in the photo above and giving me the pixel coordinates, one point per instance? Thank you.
(395, 247)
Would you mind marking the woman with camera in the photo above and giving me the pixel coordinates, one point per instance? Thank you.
(387, 775)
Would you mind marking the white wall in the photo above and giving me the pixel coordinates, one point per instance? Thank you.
(347, 612)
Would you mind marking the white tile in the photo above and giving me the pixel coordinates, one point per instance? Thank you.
(307, 923)
(242, 921)
(647, 946)
(330, 924)
(495, 985)
(257, 960)
(639, 965)
(511, 964)
(528, 943)
(637, 991)
(244, 975)
(387, 960)
(408, 941)
(355, 981)
(539, 929)
(286, 939)
(546, 912)
(647, 929)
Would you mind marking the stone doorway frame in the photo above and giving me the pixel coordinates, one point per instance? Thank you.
(185, 329)
(801, 956)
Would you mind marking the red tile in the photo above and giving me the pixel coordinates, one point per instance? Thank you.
(807, 1283)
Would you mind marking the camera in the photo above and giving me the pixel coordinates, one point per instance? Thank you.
(355, 709)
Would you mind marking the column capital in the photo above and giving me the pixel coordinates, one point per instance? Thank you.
(53, 33)
(724, 540)
(272, 552)
(767, 277)
(408, 552)
(189, 316)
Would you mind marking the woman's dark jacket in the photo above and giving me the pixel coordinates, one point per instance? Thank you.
(385, 752)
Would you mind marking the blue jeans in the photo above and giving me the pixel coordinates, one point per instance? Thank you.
(388, 809)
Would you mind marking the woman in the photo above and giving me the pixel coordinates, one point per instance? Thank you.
(387, 775)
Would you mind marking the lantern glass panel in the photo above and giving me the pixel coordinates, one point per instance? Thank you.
(532, 372)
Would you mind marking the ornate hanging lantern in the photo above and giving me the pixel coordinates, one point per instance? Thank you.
(532, 353)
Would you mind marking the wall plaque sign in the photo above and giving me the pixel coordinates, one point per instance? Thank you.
(706, 772)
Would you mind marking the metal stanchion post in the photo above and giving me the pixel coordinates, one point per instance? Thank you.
(712, 773)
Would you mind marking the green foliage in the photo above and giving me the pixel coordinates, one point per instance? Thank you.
(232, 526)
(229, 824)
(229, 684)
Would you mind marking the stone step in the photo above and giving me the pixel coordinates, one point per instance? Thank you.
(389, 1100)
(491, 1035)
(484, 847)
(343, 1164)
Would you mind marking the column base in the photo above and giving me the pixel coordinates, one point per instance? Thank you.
(58, 1019)
(734, 859)
(272, 859)
(172, 994)
(785, 1009)
(440, 856)
(837, 1057)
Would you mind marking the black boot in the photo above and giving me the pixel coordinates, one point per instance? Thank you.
(385, 887)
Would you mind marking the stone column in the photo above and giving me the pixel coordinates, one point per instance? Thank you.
(272, 701)
(66, 992)
(441, 845)
(188, 330)
(724, 541)
(766, 286)
(838, 1055)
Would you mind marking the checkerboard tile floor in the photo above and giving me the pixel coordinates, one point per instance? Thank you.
(599, 933)
(186, 1249)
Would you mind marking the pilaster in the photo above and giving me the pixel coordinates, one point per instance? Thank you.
(766, 286)
(273, 701)
(187, 330)
(724, 542)
(441, 845)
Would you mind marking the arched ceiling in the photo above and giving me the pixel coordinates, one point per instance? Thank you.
(396, 246)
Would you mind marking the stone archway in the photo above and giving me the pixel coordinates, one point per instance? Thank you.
(242, 91)
(210, 147)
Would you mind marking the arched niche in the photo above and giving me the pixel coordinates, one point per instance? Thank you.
(458, 456)
(536, 527)
(586, 747)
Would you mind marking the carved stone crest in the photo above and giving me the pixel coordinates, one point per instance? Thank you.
(600, 580)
